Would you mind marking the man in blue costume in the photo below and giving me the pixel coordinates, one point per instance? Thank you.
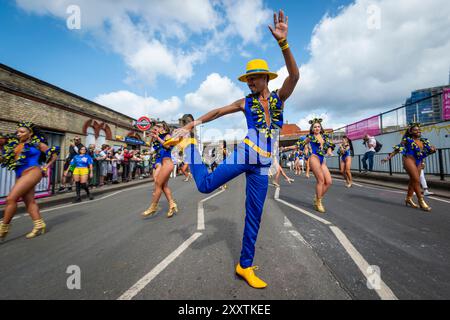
(263, 111)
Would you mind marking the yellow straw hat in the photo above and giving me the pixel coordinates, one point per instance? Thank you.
(257, 66)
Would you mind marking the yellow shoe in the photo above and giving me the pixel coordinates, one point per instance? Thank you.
(423, 205)
(172, 209)
(4, 229)
(39, 228)
(249, 275)
(151, 210)
(319, 205)
(410, 202)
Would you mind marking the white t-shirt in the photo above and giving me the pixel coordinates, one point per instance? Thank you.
(372, 142)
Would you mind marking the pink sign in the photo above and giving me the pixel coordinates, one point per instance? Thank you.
(446, 104)
(370, 126)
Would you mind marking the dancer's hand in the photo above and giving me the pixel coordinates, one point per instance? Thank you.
(280, 28)
(44, 172)
(385, 160)
(181, 132)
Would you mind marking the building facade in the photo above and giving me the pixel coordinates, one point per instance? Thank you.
(62, 115)
(425, 105)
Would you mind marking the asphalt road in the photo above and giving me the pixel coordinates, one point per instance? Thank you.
(121, 255)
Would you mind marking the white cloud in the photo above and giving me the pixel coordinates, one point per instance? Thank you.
(327, 121)
(136, 106)
(355, 70)
(161, 38)
(246, 17)
(215, 91)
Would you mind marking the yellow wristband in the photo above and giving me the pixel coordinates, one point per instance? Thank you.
(286, 46)
(281, 40)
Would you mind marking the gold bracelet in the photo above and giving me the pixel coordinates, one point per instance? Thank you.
(281, 40)
(282, 43)
(285, 47)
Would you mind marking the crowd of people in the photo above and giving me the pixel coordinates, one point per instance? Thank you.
(109, 165)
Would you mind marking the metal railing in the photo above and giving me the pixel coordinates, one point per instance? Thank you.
(436, 164)
(426, 110)
(48, 186)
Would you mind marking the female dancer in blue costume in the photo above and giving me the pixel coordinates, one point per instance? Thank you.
(320, 145)
(162, 167)
(345, 153)
(414, 149)
(263, 111)
(28, 154)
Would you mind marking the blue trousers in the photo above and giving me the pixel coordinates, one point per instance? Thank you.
(247, 161)
(368, 155)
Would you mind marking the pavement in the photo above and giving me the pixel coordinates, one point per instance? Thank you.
(439, 187)
(68, 196)
(367, 246)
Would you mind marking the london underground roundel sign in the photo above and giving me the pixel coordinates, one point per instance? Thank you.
(144, 123)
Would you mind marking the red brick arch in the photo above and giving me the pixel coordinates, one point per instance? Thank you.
(97, 127)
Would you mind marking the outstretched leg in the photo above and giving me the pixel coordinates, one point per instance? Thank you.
(208, 182)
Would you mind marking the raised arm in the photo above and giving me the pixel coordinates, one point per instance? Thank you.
(236, 106)
(280, 31)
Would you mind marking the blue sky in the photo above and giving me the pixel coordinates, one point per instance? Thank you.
(167, 61)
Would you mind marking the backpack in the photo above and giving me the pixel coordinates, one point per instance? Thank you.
(378, 146)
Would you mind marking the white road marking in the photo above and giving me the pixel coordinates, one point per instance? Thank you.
(383, 189)
(297, 235)
(201, 211)
(81, 203)
(400, 192)
(144, 281)
(277, 195)
(287, 223)
(434, 198)
(384, 292)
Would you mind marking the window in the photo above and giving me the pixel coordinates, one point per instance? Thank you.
(90, 139)
(101, 138)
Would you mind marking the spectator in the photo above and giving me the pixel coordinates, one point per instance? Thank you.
(146, 162)
(74, 149)
(423, 182)
(138, 165)
(119, 158)
(91, 150)
(126, 165)
(102, 164)
(109, 162)
(132, 164)
(370, 144)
